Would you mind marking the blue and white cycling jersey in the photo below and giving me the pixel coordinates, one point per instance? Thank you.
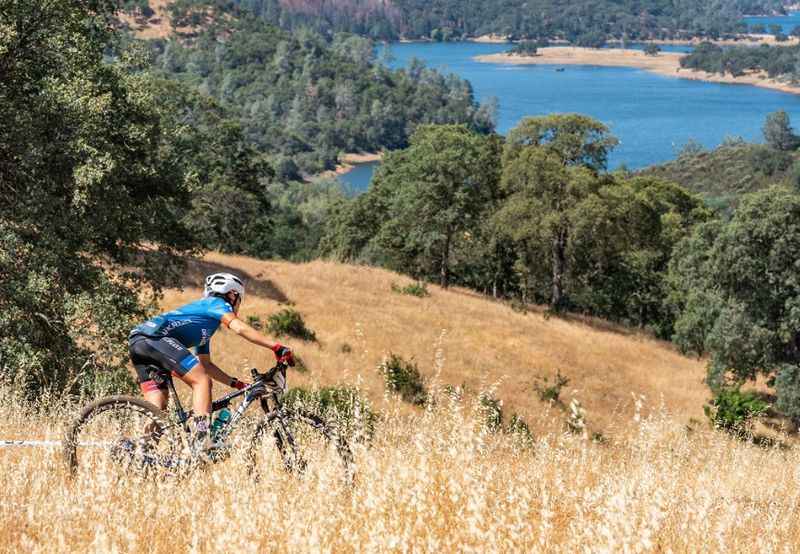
(192, 325)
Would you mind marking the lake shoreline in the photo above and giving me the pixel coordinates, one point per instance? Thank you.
(349, 161)
(665, 63)
(740, 40)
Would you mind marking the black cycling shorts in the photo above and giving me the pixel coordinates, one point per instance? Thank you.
(164, 352)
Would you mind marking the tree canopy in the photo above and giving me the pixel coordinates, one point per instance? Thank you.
(736, 289)
(536, 217)
(778, 132)
(91, 183)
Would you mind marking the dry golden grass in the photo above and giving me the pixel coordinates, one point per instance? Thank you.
(455, 336)
(434, 481)
(157, 26)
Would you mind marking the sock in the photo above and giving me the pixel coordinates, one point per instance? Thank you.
(201, 424)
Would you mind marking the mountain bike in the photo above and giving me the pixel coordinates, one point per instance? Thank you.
(136, 436)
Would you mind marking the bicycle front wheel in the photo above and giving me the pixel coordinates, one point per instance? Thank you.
(122, 433)
(302, 440)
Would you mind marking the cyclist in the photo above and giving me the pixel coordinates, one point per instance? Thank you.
(165, 340)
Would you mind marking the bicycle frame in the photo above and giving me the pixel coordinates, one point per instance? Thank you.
(258, 390)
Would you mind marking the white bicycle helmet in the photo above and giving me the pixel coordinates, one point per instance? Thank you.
(223, 283)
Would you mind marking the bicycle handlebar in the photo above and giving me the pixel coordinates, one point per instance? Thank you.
(262, 383)
(280, 366)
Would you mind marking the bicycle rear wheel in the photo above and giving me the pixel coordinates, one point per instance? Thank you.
(122, 433)
(302, 439)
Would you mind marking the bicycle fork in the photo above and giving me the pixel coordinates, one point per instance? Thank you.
(292, 459)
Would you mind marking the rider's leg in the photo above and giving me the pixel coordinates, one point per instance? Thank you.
(157, 397)
(198, 379)
(170, 354)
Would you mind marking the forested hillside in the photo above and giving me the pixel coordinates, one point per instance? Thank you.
(580, 21)
(723, 175)
(305, 99)
(778, 62)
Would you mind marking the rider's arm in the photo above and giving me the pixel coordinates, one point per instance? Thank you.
(246, 332)
(214, 371)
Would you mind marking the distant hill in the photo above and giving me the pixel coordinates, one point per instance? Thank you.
(723, 174)
(576, 20)
(358, 319)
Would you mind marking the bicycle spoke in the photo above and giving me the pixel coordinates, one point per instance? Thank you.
(122, 436)
(302, 443)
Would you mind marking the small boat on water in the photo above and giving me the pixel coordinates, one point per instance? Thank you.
(560, 69)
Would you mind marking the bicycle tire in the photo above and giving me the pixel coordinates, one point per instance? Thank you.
(288, 446)
(89, 433)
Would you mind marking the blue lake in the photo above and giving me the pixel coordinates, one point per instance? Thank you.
(359, 177)
(652, 115)
(787, 22)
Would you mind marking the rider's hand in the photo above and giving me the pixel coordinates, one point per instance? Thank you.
(238, 385)
(283, 354)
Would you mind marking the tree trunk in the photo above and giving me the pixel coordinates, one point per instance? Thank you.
(444, 270)
(559, 268)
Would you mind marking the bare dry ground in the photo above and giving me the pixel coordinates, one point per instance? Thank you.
(432, 480)
(157, 26)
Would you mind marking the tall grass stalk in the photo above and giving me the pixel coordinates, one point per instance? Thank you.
(432, 481)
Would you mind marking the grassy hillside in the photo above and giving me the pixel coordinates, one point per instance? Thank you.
(477, 341)
(432, 480)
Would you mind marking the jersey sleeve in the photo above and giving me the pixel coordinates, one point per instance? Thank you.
(219, 308)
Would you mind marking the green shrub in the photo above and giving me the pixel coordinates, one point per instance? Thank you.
(404, 378)
(491, 412)
(456, 392)
(289, 322)
(520, 429)
(341, 406)
(99, 383)
(733, 410)
(420, 290)
(526, 48)
(652, 49)
(768, 161)
(548, 392)
(254, 321)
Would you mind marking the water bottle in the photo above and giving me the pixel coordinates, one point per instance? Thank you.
(222, 419)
